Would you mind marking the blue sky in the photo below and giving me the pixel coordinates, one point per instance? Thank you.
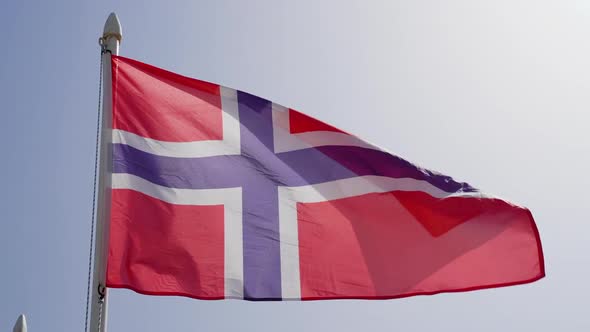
(493, 93)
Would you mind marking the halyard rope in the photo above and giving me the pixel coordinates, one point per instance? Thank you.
(93, 217)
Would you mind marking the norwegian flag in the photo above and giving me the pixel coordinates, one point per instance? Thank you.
(217, 194)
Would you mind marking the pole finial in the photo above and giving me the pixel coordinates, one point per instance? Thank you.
(112, 28)
(20, 325)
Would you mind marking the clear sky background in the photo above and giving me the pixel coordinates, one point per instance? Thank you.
(495, 93)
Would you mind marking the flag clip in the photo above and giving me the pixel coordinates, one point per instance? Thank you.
(101, 292)
(103, 45)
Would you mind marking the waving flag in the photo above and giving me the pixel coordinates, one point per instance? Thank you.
(217, 193)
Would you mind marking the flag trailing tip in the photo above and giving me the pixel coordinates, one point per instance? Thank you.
(112, 27)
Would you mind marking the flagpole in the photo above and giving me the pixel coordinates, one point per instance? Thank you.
(110, 41)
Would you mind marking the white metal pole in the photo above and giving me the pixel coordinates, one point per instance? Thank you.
(111, 38)
(20, 325)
